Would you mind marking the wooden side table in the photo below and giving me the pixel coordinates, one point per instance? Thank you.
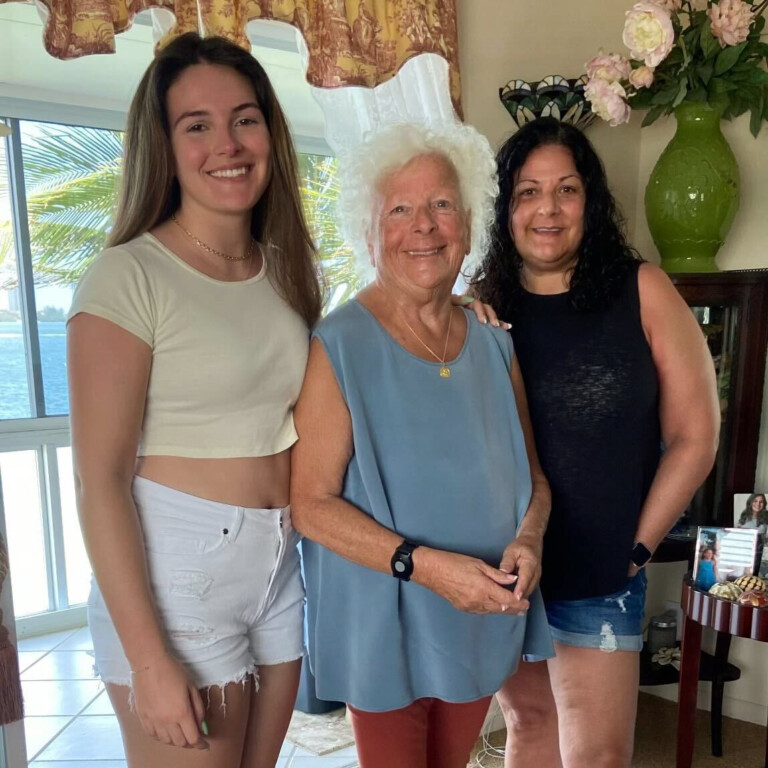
(700, 609)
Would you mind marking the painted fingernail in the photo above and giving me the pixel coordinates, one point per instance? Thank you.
(204, 728)
(484, 321)
(507, 326)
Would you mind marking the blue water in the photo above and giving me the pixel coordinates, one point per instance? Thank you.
(14, 389)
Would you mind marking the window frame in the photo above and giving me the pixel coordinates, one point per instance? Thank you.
(40, 432)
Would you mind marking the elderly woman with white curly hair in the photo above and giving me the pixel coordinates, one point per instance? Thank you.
(415, 477)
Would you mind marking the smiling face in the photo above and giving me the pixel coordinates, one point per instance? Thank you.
(758, 504)
(220, 140)
(421, 230)
(546, 210)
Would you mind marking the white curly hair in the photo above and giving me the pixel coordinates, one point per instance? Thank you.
(362, 168)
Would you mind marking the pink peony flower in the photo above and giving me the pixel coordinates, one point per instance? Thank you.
(648, 33)
(610, 67)
(608, 101)
(730, 21)
(642, 77)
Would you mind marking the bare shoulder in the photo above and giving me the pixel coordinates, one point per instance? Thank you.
(653, 282)
(659, 299)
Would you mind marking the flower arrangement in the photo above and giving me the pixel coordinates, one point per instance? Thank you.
(685, 50)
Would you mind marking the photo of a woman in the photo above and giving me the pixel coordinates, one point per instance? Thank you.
(755, 513)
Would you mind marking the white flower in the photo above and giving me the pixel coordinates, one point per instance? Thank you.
(608, 101)
(608, 67)
(648, 33)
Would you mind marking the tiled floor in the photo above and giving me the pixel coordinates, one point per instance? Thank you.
(69, 720)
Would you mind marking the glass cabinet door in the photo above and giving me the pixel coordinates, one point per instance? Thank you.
(720, 325)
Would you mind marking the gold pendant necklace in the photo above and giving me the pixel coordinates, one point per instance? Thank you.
(198, 242)
(445, 371)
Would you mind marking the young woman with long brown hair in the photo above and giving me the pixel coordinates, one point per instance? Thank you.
(187, 344)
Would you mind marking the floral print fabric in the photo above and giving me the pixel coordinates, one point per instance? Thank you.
(350, 42)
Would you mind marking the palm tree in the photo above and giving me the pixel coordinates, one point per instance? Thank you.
(320, 194)
(71, 175)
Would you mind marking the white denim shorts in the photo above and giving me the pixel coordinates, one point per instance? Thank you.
(226, 582)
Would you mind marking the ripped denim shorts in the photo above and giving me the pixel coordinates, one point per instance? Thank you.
(226, 582)
(610, 622)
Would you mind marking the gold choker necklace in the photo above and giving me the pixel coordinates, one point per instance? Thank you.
(445, 371)
(198, 242)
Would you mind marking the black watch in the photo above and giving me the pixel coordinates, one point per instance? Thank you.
(640, 554)
(402, 561)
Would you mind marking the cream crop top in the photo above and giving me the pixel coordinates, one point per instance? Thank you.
(228, 358)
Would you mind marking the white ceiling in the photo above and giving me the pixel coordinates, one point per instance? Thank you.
(107, 82)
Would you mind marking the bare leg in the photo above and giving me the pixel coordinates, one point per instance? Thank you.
(270, 713)
(226, 733)
(596, 696)
(530, 715)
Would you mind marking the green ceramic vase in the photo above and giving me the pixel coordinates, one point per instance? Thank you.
(693, 193)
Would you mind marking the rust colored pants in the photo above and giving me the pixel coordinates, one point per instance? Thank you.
(429, 733)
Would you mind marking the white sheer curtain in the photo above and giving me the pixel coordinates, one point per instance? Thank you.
(419, 93)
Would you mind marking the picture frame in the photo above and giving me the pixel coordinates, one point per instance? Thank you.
(750, 510)
(724, 554)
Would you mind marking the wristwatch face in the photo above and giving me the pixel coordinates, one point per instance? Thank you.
(640, 554)
(399, 566)
(402, 563)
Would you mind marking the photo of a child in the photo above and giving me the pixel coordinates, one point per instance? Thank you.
(707, 569)
(724, 554)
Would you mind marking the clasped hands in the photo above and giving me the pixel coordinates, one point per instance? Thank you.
(472, 585)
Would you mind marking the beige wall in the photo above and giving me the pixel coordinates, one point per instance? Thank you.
(501, 40)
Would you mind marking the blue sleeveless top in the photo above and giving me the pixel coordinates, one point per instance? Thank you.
(439, 461)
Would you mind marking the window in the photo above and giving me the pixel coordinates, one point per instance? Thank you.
(14, 385)
(320, 195)
(58, 186)
(70, 180)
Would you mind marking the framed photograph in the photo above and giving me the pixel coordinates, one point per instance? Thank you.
(750, 510)
(724, 554)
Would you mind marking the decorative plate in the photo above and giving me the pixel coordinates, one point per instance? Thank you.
(754, 598)
(751, 584)
(726, 589)
(554, 96)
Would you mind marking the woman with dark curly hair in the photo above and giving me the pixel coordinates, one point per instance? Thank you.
(614, 364)
(755, 514)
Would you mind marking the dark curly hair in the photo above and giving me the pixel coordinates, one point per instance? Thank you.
(605, 256)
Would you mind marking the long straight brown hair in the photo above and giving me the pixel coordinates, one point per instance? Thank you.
(150, 192)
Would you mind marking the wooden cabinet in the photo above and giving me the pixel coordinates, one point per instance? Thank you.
(732, 309)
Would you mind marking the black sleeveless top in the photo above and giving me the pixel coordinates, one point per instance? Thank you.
(593, 395)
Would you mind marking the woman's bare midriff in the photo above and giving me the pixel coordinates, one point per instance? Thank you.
(258, 482)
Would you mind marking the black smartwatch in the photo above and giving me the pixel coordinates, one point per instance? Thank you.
(402, 561)
(640, 554)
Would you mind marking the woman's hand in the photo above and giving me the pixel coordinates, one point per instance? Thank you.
(168, 705)
(484, 312)
(467, 583)
(523, 557)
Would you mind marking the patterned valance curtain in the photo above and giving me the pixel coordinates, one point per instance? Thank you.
(349, 42)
